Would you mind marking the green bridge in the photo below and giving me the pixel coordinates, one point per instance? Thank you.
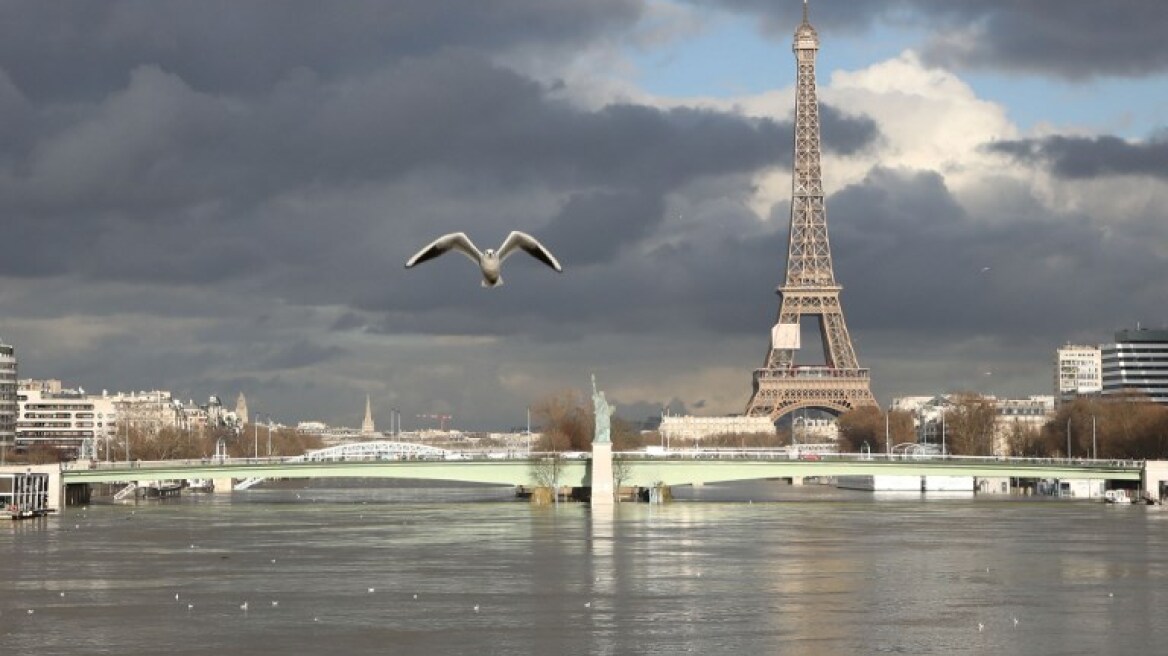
(630, 469)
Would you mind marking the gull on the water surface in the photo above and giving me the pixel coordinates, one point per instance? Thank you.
(489, 261)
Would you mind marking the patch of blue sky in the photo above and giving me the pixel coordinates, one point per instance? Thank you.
(1128, 108)
(731, 57)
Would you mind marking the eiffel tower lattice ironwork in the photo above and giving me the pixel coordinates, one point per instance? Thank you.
(839, 385)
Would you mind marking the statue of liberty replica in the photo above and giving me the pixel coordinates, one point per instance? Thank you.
(602, 411)
(601, 474)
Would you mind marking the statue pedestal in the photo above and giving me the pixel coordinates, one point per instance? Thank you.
(602, 493)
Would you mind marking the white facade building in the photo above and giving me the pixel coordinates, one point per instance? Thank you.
(928, 415)
(1137, 362)
(149, 411)
(808, 430)
(1010, 415)
(61, 418)
(1078, 371)
(688, 427)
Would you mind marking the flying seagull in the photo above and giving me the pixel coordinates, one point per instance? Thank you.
(489, 262)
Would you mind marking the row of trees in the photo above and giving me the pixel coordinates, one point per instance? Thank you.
(138, 443)
(1116, 428)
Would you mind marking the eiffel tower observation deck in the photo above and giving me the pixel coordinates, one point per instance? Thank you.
(781, 385)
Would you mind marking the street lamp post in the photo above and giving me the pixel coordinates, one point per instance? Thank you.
(256, 435)
(1094, 451)
(943, 450)
(887, 439)
(269, 436)
(1068, 438)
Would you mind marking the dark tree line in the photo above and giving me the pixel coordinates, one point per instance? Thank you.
(567, 424)
(1121, 427)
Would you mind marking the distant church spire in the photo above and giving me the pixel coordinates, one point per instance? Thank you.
(241, 409)
(367, 425)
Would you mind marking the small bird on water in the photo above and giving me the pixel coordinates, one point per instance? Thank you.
(490, 261)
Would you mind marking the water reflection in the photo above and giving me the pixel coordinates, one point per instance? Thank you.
(798, 571)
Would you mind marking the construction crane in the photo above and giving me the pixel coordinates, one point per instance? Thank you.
(441, 419)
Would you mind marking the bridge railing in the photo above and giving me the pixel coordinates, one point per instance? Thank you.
(784, 454)
(763, 454)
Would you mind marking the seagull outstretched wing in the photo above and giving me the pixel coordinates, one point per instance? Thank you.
(524, 241)
(456, 240)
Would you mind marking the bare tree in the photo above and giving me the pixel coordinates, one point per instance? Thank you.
(566, 422)
(545, 473)
(970, 425)
(622, 470)
(864, 425)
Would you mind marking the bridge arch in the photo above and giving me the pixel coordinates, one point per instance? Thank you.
(381, 449)
(830, 407)
(378, 450)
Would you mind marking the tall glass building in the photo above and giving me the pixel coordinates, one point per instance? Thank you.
(1137, 362)
(8, 406)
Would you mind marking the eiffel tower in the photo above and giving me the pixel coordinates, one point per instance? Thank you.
(781, 386)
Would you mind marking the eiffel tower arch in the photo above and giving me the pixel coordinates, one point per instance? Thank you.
(782, 386)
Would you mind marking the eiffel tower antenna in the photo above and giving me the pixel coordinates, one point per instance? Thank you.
(810, 289)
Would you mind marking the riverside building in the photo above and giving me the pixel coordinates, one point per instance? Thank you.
(1078, 372)
(62, 419)
(687, 427)
(8, 405)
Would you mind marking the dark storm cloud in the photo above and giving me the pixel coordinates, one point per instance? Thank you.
(301, 353)
(594, 225)
(1090, 157)
(908, 255)
(78, 49)
(175, 177)
(1074, 39)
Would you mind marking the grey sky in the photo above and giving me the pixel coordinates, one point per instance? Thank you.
(219, 198)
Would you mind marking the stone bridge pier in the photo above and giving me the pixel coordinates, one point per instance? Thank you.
(1155, 479)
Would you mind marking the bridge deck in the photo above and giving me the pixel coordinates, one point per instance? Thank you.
(635, 469)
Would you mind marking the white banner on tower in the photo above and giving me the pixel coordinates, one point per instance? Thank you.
(785, 336)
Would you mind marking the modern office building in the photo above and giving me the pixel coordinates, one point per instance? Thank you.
(8, 406)
(1136, 363)
(1078, 372)
(62, 418)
